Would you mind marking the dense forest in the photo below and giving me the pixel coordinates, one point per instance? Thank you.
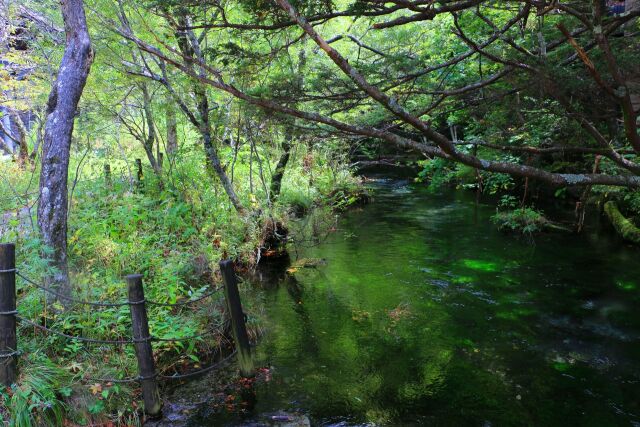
(160, 137)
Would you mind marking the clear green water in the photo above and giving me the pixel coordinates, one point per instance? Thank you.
(425, 314)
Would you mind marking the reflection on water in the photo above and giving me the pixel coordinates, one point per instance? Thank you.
(423, 313)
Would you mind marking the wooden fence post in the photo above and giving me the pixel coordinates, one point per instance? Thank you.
(107, 174)
(238, 327)
(144, 351)
(8, 338)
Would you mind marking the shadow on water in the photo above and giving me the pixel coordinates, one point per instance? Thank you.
(424, 314)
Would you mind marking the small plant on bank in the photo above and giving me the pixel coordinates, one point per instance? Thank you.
(525, 220)
(37, 399)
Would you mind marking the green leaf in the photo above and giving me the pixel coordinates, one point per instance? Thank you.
(66, 391)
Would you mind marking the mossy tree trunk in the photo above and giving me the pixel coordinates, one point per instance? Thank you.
(623, 226)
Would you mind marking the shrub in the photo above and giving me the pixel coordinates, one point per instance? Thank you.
(524, 220)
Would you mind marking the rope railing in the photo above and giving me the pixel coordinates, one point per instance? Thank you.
(188, 302)
(207, 333)
(167, 377)
(200, 371)
(113, 304)
(150, 338)
(142, 339)
(62, 297)
(76, 338)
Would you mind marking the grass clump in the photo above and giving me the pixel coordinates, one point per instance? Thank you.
(525, 220)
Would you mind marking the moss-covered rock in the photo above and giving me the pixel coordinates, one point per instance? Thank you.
(623, 226)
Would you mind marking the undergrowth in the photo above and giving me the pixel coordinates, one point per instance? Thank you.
(174, 234)
(526, 220)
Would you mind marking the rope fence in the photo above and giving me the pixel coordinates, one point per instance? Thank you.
(113, 304)
(192, 374)
(141, 338)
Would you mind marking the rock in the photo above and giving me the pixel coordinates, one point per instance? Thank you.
(279, 419)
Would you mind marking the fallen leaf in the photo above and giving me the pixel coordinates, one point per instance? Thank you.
(95, 388)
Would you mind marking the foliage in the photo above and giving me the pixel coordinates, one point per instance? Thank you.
(498, 183)
(525, 220)
(37, 398)
(437, 172)
(632, 202)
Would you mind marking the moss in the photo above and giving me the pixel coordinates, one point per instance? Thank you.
(623, 226)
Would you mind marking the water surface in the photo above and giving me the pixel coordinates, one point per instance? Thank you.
(422, 313)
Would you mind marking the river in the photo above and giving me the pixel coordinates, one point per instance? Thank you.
(416, 310)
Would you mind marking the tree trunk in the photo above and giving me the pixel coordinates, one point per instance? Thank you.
(39, 137)
(7, 132)
(172, 129)
(278, 173)
(149, 140)
(189, 46)
(625, 228)
(61, 109)
(633, 81)
(23, 149)
(213, 159)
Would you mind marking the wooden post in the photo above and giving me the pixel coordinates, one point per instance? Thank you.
(107, 175)
(140, 175)
(144, 351)
(238, 327)
(8, 338)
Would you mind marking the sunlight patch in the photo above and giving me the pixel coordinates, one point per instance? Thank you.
(476, 264)
(626, 285)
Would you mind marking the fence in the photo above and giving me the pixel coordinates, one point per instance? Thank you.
(141, 338)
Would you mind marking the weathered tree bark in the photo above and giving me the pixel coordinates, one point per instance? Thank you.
(61, 109)
(172, 129)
